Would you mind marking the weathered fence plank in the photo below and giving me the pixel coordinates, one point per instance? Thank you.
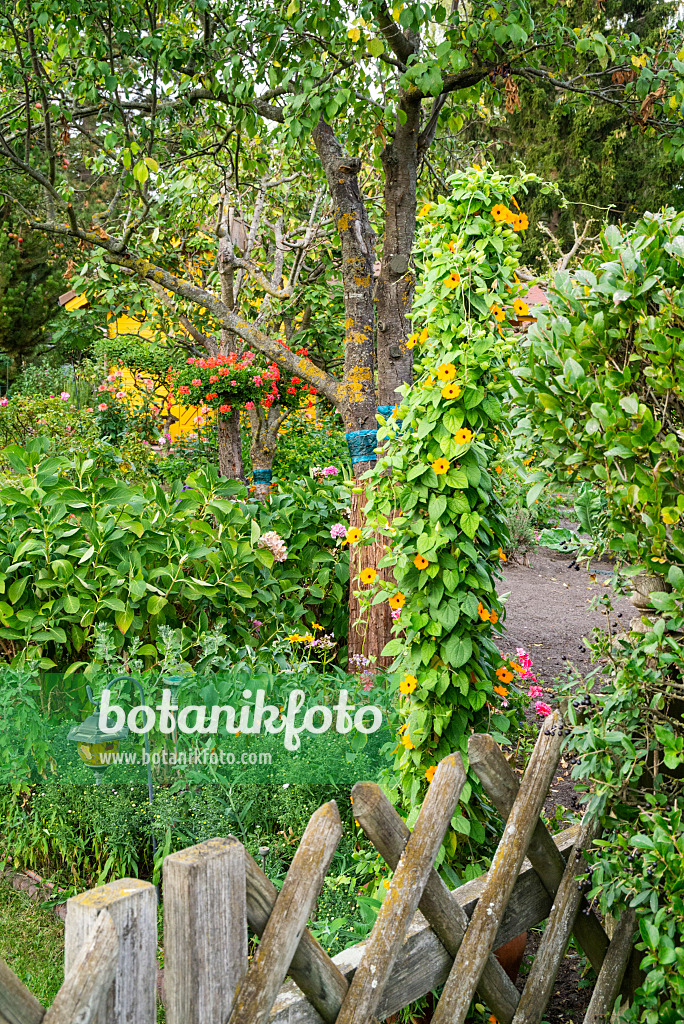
(611, 974)
(479, 939)
(132, 904)
(285, 927)
(205, 931)
(405, 891)
(17, 1004)
(312, 969)
(501, 784)
(90, 977)
(566, 904)
(389, 835)
(423, 963)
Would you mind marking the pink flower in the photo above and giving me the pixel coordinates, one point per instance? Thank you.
(396, 613)
(338, 530)
(192, 436)
(149, 386)
(121, 394)
(233, 383)
(89, 410)
(4, 402)
(330, 471)
(367, 686)
(249, 405)
(525, 662)
(102, 406)
(65, 396)
(213, 378)
(535, 691)
(542, 709)
(196, 383)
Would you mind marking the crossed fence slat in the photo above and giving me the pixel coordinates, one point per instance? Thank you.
(425, 935)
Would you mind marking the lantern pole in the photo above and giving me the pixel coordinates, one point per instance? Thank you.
(150, 790)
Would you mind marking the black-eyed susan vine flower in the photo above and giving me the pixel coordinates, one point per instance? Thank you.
(430, 772)
(353, 535)
(441, 466)
(453, 280)
(463, 436)
(447, 371)
(503, 674)
(408, 684)
(367, 576)
(497, 312)
(420, 562)
(451, 391)
(521, 308)
(397, 600)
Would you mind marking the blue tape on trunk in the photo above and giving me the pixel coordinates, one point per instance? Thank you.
(362, 445)
(262, 476)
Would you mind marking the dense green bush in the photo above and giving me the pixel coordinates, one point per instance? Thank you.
(80, 547)
(629, 744)
(602, 379)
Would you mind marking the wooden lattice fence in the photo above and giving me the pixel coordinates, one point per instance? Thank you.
(425, 936)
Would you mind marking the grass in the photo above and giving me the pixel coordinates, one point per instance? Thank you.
(31, 942)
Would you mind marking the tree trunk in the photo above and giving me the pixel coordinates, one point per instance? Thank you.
(230, 447)
(357, 402)
(229, 439)
(396, 281)
(264, 425)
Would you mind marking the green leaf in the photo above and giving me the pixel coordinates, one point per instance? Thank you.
(534, 492)
(375, 47)
(123, 619)
(437, 507)
(457, 650)
(469, 523)
(17, 589)
(155, 604)
(255, 532)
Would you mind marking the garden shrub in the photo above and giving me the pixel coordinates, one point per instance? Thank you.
(600, 381)
(80, 547)
(628, 741)
(431, 493)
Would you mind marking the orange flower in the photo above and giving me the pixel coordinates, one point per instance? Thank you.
(520, 222)
(493, 617)
(501, 690)
(451, 391)
(423, 336)
(451, 247)
(498, 469)
(502, 556)
(430, 773)
(367, 575)
(420, 562)
(517, 667)
(353, 535)
(463, 435)
(408, 684)
(453, 280)
(406, 742)
(521, 308)
(482, 612)
(447, 371)
(503, 675)
(397, 600)
(441, 466)
(501, 213)
(497, 312)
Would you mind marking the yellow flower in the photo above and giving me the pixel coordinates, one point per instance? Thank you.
(451, 246)
(497, 312)
(367, 575)
(423, 336)
(453, 280)
(503, 675)
(482, 612)
(406, 742)
(517, 667)
(447, 371)
(463, 436)
(441, 466)
(295, 638)
(315, 625)
(501, 213)
(430, 773)
(425, 209)
(353, 535)
(408, 684)
(502, 556)
(386, 883)
(420, 562)
(411, 341)
(397, 601)
(451, 391)
(521, 308)
(501, 690)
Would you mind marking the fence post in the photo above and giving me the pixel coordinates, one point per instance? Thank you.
(132, 905)
(205, 931)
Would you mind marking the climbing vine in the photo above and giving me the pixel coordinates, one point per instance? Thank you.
(431, 492)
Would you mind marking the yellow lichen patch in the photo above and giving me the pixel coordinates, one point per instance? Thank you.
(348, 324)
(362, 282)
(344, 223)
(360, 337)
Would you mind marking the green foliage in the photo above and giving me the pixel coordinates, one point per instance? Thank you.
(80, 547)
(628, 739)
(601, 382)
(304, 443)
(432, 494)
(29, 286)
(26, 417)
(31, 942)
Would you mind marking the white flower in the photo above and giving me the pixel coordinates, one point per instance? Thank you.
(274, 543)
